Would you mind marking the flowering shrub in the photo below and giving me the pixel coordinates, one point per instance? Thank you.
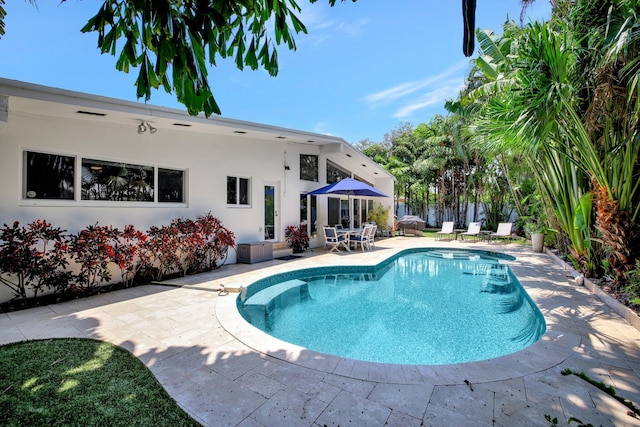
(187, 246)
(297, 237)
(33, 258)
(127, 254)
(161, 251)
(36, 257)
(188, 243)
(92, 249)
(217, 241)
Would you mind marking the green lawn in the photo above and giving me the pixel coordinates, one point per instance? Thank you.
(81, 382)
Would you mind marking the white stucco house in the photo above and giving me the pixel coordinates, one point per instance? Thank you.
(62, 154)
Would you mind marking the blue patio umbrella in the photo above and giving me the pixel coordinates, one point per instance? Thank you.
(350, 187)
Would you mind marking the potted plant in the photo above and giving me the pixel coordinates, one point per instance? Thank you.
(536, 230)
(534, 222)
(380, 216)
(297, 238)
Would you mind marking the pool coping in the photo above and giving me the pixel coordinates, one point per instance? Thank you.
(554, 347)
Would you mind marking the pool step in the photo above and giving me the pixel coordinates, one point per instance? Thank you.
(498, 281)
(265, 296)
(454, 254)
(264, 306)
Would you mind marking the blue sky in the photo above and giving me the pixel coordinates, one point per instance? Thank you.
(363, 69)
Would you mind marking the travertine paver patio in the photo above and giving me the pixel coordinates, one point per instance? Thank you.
(226, 373)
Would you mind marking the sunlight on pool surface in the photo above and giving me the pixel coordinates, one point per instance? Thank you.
(418, 307)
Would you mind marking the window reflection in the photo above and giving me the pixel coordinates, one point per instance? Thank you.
(49, 176)
(102, 180)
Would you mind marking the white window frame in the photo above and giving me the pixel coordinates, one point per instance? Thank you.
(79, 202)
(237, 204)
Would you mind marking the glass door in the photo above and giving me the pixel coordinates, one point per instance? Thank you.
(333, 212)
(270, 212)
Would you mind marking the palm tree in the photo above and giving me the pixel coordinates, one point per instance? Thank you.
(518, 110)
(610, 141)
(565, 93)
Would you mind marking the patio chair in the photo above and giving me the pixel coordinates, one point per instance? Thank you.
(372, 236)
(363, 238)
(473, 230)
(447, 230)
(503, 232)
(335, 240)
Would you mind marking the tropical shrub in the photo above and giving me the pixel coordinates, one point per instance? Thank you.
(217, 241)
(127, 254)
(188, 242)
(33, 258)
(380, 215)
(160, 251)
(632, 288)
(297, 237)
(92, 250)
(37, 257)
(186, 246)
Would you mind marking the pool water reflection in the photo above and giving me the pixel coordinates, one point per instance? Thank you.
(422, 306)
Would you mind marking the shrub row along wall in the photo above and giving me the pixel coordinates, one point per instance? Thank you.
(41, 259)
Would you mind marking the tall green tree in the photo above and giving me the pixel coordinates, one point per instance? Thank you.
(564, 93)
(519, 109)
(609, 144)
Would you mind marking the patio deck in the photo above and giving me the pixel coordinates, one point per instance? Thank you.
(226, 373)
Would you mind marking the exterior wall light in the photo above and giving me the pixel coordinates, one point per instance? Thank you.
(144, 126)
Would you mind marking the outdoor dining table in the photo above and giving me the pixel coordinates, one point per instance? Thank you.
(349, 232)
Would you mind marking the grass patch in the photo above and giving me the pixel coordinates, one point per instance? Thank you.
(81, 382)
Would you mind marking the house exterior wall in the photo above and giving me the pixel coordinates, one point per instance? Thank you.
(208, 152)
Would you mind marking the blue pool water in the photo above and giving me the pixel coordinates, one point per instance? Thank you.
(433, 306)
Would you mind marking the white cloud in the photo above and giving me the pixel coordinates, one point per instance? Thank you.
(321, 128)
(439, 81)
(320, 27)
(434, 97)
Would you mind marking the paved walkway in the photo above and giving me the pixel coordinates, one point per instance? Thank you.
(226, 373)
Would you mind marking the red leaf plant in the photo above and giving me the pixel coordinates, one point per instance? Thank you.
(297, 237)
(92, 250)
(189, 241)
(126, 254)
(188, 246)
(33, 258)
(217, 241)
(160, 250)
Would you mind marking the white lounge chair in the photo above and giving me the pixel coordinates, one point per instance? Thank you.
(335, 240)
(473, 230)
(447, 230)
(503, 232)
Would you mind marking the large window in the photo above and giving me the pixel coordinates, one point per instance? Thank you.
(52, 176)
(335, 173)
(170, 185)
(309, 167)
(48, 176)
(103, 180)
(238, 191)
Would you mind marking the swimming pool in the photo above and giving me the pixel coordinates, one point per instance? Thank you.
(422, 306)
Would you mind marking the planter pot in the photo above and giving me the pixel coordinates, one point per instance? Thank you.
(537, 242)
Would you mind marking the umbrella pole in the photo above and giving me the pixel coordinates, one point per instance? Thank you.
(350, 211)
